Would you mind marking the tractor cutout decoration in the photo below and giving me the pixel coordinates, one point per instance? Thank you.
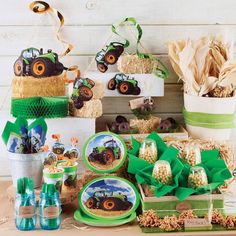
(105, 154)
(108, 201)
(33, 62)
(109, 55)
(82, 91)
(124, 84)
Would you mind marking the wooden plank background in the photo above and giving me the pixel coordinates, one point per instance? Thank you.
(88, 26)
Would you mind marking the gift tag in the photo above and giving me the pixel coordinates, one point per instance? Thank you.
(104, 152)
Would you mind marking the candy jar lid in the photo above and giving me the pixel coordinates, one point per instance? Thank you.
(162, 172)
(197, 177)
(148, 151)
(192, 154)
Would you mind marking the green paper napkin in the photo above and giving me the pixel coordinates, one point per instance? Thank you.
(216, 170)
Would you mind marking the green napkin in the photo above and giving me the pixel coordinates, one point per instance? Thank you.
(161, 146)
(216, 170)
(143, 169)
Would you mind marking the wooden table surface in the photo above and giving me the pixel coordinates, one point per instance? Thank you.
(69, 225)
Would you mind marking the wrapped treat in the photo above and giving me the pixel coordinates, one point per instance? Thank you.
(148, 151)
(162, 172)
(72, 153)
(58, 148)
(197, 177)
(50, 158)
(192, 154)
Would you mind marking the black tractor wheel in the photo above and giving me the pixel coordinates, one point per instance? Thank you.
(78, 104)
(119, 49)
(110, 204)
(91, 158)
(125, 87)
(111, 84)
(136, 90)
(108, 156)
(85, 93)
(91, 203)
(42, 67)
(111, 57)
(19, 67)
(102, 67)
(127, 205)
(58, 68)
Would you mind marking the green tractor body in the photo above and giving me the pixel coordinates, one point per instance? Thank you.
(105, 154)
(108, 201)
(124, 84)
(33, 62)
(109, 56)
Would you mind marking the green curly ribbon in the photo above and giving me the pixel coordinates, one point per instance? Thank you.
(206, 120)
(159, 72)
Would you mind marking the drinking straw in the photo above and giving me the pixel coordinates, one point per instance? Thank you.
(25, 188)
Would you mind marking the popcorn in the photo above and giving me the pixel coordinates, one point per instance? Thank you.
(197, 177)
(149, 219)
(170, 223)
(148, 151)
(162, 172)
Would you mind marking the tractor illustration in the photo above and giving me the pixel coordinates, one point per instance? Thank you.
(82, 91)
(105, 154)
(108, 201)
(109, 55)
(34, 62)
(124, 84)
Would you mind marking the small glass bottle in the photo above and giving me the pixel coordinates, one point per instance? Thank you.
(197, 177)
(25, 212)
(192, 154)
(162, 172)
(49, 208)
(148, 151)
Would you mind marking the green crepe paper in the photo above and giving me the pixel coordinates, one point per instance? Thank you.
(143, 171)
(216, 171)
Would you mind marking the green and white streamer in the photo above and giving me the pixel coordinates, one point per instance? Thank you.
(159, 72)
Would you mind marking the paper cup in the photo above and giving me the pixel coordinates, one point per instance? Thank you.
(55, 178)
(26, 165)
(69, 176)
(208, 105)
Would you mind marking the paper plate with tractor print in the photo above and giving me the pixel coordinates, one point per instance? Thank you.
(109, 198)
(104, 152)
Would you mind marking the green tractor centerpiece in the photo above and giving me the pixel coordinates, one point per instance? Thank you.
(124, 84)
(82, 91)
(105, 154)
(109, 55)
(108, 202)
(33, 62)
